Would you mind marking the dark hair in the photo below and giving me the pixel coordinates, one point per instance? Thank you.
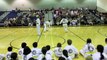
(61, 58)
(48, 47)
(23, 45)
(100, 49)
(106, 40)
(65, 53)
(35, 44)
(9, 48)
(59, 45)
(26, 50)
(44, 50)
(88, 40)
(69, 41)
(14, 56)
(31, 58)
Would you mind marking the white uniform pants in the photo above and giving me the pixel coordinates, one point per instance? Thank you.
(38, 29)
(65, 27)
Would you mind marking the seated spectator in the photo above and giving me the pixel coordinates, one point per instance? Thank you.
(2, 56)
(8, 55)
(88, 48)
(72, 51)
(27, 53)
(48, 50)
(99, 55)
(89, 58)
(14, 56)
(61, 58)
(36, 51)
(22, 47)
(58, 50)
(66, 56)
(105, 47)
(44, 56)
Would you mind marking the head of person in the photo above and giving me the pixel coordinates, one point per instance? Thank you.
(100, 49)
(31, 58)
(26, 50)
(61, 58)
(59, 45)
(106, 40)
(23, 45)
(35, 44)
(69, 41)
(14, 56)
(9, 49)
(65, 53)
(48, 47)
(44, 50)
(89, 58)
(88, 40)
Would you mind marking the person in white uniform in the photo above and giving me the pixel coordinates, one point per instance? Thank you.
(48, 50)
(105, 47)
(46, 25)
(36, 51)
(88, 48)
(58, 50)
(20, 52)
(38, 25)
(99, 55)
(27, 53)
(72, 51)
(44, 55)
(66, 56)
(64, 21)
(8, 55)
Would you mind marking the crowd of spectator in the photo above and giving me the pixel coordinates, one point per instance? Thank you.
(79, 16)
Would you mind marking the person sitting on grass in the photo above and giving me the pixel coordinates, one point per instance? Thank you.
(88, 48)
(8, 55)
(72, 51)
(58, 50)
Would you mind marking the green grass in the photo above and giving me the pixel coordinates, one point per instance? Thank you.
(51, 37)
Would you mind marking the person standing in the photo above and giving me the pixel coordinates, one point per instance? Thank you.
(64, 21)
(38, 25)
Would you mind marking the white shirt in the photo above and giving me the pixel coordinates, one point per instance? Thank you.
(58, 51)
(36, 51)
(38, 21)
(21, 51)
(49, 52)
(97, 56)
(67, 58)
(27, 57)
(88, 47)
(71, 50)
(64, 21)
(105, 49)
(8, 55)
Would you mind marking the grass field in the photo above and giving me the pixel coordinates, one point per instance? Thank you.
(16, 35)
